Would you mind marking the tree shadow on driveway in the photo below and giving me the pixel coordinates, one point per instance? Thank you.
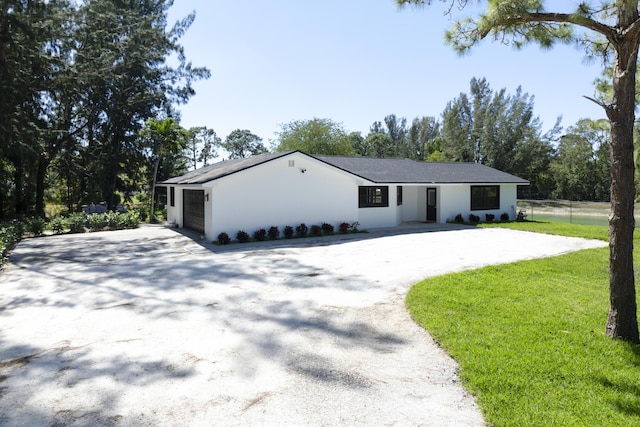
(150, 328)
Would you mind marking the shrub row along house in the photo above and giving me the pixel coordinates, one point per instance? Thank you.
(293, 187)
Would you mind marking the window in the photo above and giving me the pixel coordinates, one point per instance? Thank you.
(172, 196)
(399, 195)
(373, 197)
(485, 197)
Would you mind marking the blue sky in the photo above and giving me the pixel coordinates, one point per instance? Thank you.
(356, 61)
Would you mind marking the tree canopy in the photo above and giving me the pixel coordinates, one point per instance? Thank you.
(581, 166)
(242, 143)
(78, 80)
(610, 30)
(162, 138)
(315, 136)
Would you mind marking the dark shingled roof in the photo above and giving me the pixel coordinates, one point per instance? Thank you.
(381, 171)
(393, 170)
(224, 168)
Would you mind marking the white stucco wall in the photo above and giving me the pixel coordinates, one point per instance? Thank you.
(174, 213)
(508, 200)
(455, 199)
(276, 194)
(410, 211)
(377, 217)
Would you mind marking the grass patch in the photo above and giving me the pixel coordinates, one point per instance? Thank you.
(529, 337)
(597, 232)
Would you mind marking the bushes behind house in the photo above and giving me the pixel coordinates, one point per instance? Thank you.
(12, 231)
(35, 225)
(79, 222)
(109, 220)
(75, 223)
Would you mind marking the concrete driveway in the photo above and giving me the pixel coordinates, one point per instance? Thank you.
(148, 327)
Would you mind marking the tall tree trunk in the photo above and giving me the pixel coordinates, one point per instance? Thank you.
(43, 163)
(153, 190)
(622, 320)
(18, 179)
(109, 191)
(3, 196)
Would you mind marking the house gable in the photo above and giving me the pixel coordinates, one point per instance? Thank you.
(289, 190)
(223, 168)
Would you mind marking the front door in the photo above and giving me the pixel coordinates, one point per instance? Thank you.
(431, 205)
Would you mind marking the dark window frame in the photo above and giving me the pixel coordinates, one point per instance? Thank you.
(399, 195)
(373, 196)
(485, 197)
(172, 196)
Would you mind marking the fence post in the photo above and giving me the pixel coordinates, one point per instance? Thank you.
(570, 213)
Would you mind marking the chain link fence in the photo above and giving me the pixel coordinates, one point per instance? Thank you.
(591, 213)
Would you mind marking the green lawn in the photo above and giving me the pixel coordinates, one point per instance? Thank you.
(558, 228)
(529, 337)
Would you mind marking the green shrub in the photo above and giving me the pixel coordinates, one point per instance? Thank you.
(76, 222)
(58, 224)
(114, 220)
(10, 233)
(223, 238)
(143, 213)
(274, 233)
(242, 236)
(315, 230)
(18, 227)
(160, 215)
(489, 217)
(36, 225)
(344, 227)
(302, 230)
(474, 218)
(288, 232)
(260, 235)
(504, 217)
(327, 228)
(97, 221)
(459, 219)
(131, 219)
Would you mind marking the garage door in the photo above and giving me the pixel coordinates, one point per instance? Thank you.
(193, 210)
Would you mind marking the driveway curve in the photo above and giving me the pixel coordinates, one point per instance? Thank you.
(148, 327)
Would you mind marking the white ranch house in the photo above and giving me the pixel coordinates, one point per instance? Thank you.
(293, 187)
